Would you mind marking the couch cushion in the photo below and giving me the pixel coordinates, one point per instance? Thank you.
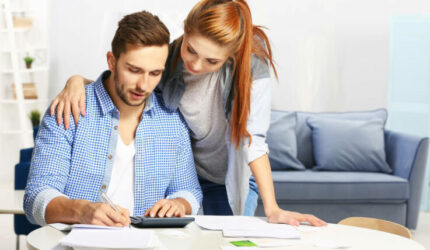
(282, 142)
(304, 132)
(339, 186)
(348, 145)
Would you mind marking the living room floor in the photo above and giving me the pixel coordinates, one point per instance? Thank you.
(7, 236)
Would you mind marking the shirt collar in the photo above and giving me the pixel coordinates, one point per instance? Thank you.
(103, 97)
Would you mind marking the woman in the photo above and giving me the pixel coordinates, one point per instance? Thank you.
(218, 76)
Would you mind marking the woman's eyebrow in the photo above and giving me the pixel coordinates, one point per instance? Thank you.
(191, 47)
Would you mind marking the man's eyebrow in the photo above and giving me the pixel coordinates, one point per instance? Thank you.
(131, 65)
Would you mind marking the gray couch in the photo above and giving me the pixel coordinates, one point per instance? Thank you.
(334, 195)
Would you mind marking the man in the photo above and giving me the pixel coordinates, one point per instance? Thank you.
(128, 144)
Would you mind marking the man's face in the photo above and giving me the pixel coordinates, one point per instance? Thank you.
(137, 72)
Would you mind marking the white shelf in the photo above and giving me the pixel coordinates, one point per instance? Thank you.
(24, 50)
(17, 30)
(25, 101)
(16, 132)
(36, 69)
(20, 10)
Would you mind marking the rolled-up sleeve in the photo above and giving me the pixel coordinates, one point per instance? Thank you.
(49, 168)
(258, 120)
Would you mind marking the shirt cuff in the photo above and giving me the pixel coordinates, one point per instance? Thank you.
(187, 195)
(41, 201)
(257, 149)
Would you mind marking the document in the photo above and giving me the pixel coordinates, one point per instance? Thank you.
(68, 227)
(107, 238)
(247, 226)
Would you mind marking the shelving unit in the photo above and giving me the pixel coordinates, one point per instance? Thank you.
(14, 111)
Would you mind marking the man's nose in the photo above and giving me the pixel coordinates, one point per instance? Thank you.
(143, 82)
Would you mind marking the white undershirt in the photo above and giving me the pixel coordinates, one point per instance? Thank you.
(121, 187)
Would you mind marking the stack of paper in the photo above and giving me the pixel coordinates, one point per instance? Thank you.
(247, 226)
(107, 238)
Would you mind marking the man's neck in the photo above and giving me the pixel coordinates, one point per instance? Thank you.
(127, 111)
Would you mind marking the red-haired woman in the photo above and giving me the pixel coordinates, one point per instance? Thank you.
(218, 76)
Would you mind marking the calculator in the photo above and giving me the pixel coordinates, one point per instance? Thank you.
(160, 222)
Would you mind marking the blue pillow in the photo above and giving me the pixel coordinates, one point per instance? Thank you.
(282, 141)
(349, 145)
(304, 133)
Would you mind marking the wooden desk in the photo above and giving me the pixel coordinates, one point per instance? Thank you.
(192, 237)
(11, 201)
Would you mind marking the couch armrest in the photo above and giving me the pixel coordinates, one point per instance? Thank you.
(407, 155)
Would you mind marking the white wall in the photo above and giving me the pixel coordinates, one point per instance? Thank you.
(332, 55)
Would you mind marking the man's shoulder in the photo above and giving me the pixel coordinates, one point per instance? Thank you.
(160, 106)
(167, 116)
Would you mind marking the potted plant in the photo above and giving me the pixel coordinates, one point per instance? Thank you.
(35, 121)
(28, 61)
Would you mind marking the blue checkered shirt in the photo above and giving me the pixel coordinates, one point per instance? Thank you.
(77, 163)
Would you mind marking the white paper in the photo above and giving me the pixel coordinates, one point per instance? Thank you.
(61, 226)
(247, 226)
(90, 226)
(68, 227)
(284, 232)
(239, 248)
(107, 238)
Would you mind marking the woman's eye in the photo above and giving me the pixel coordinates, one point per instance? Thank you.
(191, 51)
(212, 62)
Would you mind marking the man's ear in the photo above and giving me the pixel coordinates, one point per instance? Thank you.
(111, 60)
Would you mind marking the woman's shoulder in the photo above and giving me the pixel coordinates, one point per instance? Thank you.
(259, 68)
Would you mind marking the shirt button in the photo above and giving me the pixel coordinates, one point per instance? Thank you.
(110, 157)
(116, 127)
(104, 187)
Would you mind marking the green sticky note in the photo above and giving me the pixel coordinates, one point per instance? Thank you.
(243, 243)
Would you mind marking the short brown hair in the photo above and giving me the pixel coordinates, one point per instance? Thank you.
(140, 28)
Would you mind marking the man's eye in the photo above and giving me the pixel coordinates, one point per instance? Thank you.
(133, 70)
(191, 51)
(157, 73)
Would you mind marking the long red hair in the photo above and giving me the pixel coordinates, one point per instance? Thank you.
(229, 23)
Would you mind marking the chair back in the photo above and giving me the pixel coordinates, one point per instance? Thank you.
(377, 224)
(21, 225)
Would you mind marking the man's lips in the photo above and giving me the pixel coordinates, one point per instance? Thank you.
(137, 95)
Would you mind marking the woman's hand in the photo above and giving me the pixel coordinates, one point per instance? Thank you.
(71, 99)
(293, 218)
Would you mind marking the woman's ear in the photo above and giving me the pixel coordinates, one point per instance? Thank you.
(111, 60)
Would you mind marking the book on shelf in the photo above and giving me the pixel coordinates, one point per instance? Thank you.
(29, 90)
(22, 22)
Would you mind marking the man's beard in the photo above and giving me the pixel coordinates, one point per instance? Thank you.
(121, 92)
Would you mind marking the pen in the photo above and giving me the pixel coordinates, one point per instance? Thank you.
(108, 201)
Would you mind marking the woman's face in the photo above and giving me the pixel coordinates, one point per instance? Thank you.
(201, 55)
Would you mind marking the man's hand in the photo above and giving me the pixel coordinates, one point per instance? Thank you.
(103, 214)
(167, 208)
(65, 210)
